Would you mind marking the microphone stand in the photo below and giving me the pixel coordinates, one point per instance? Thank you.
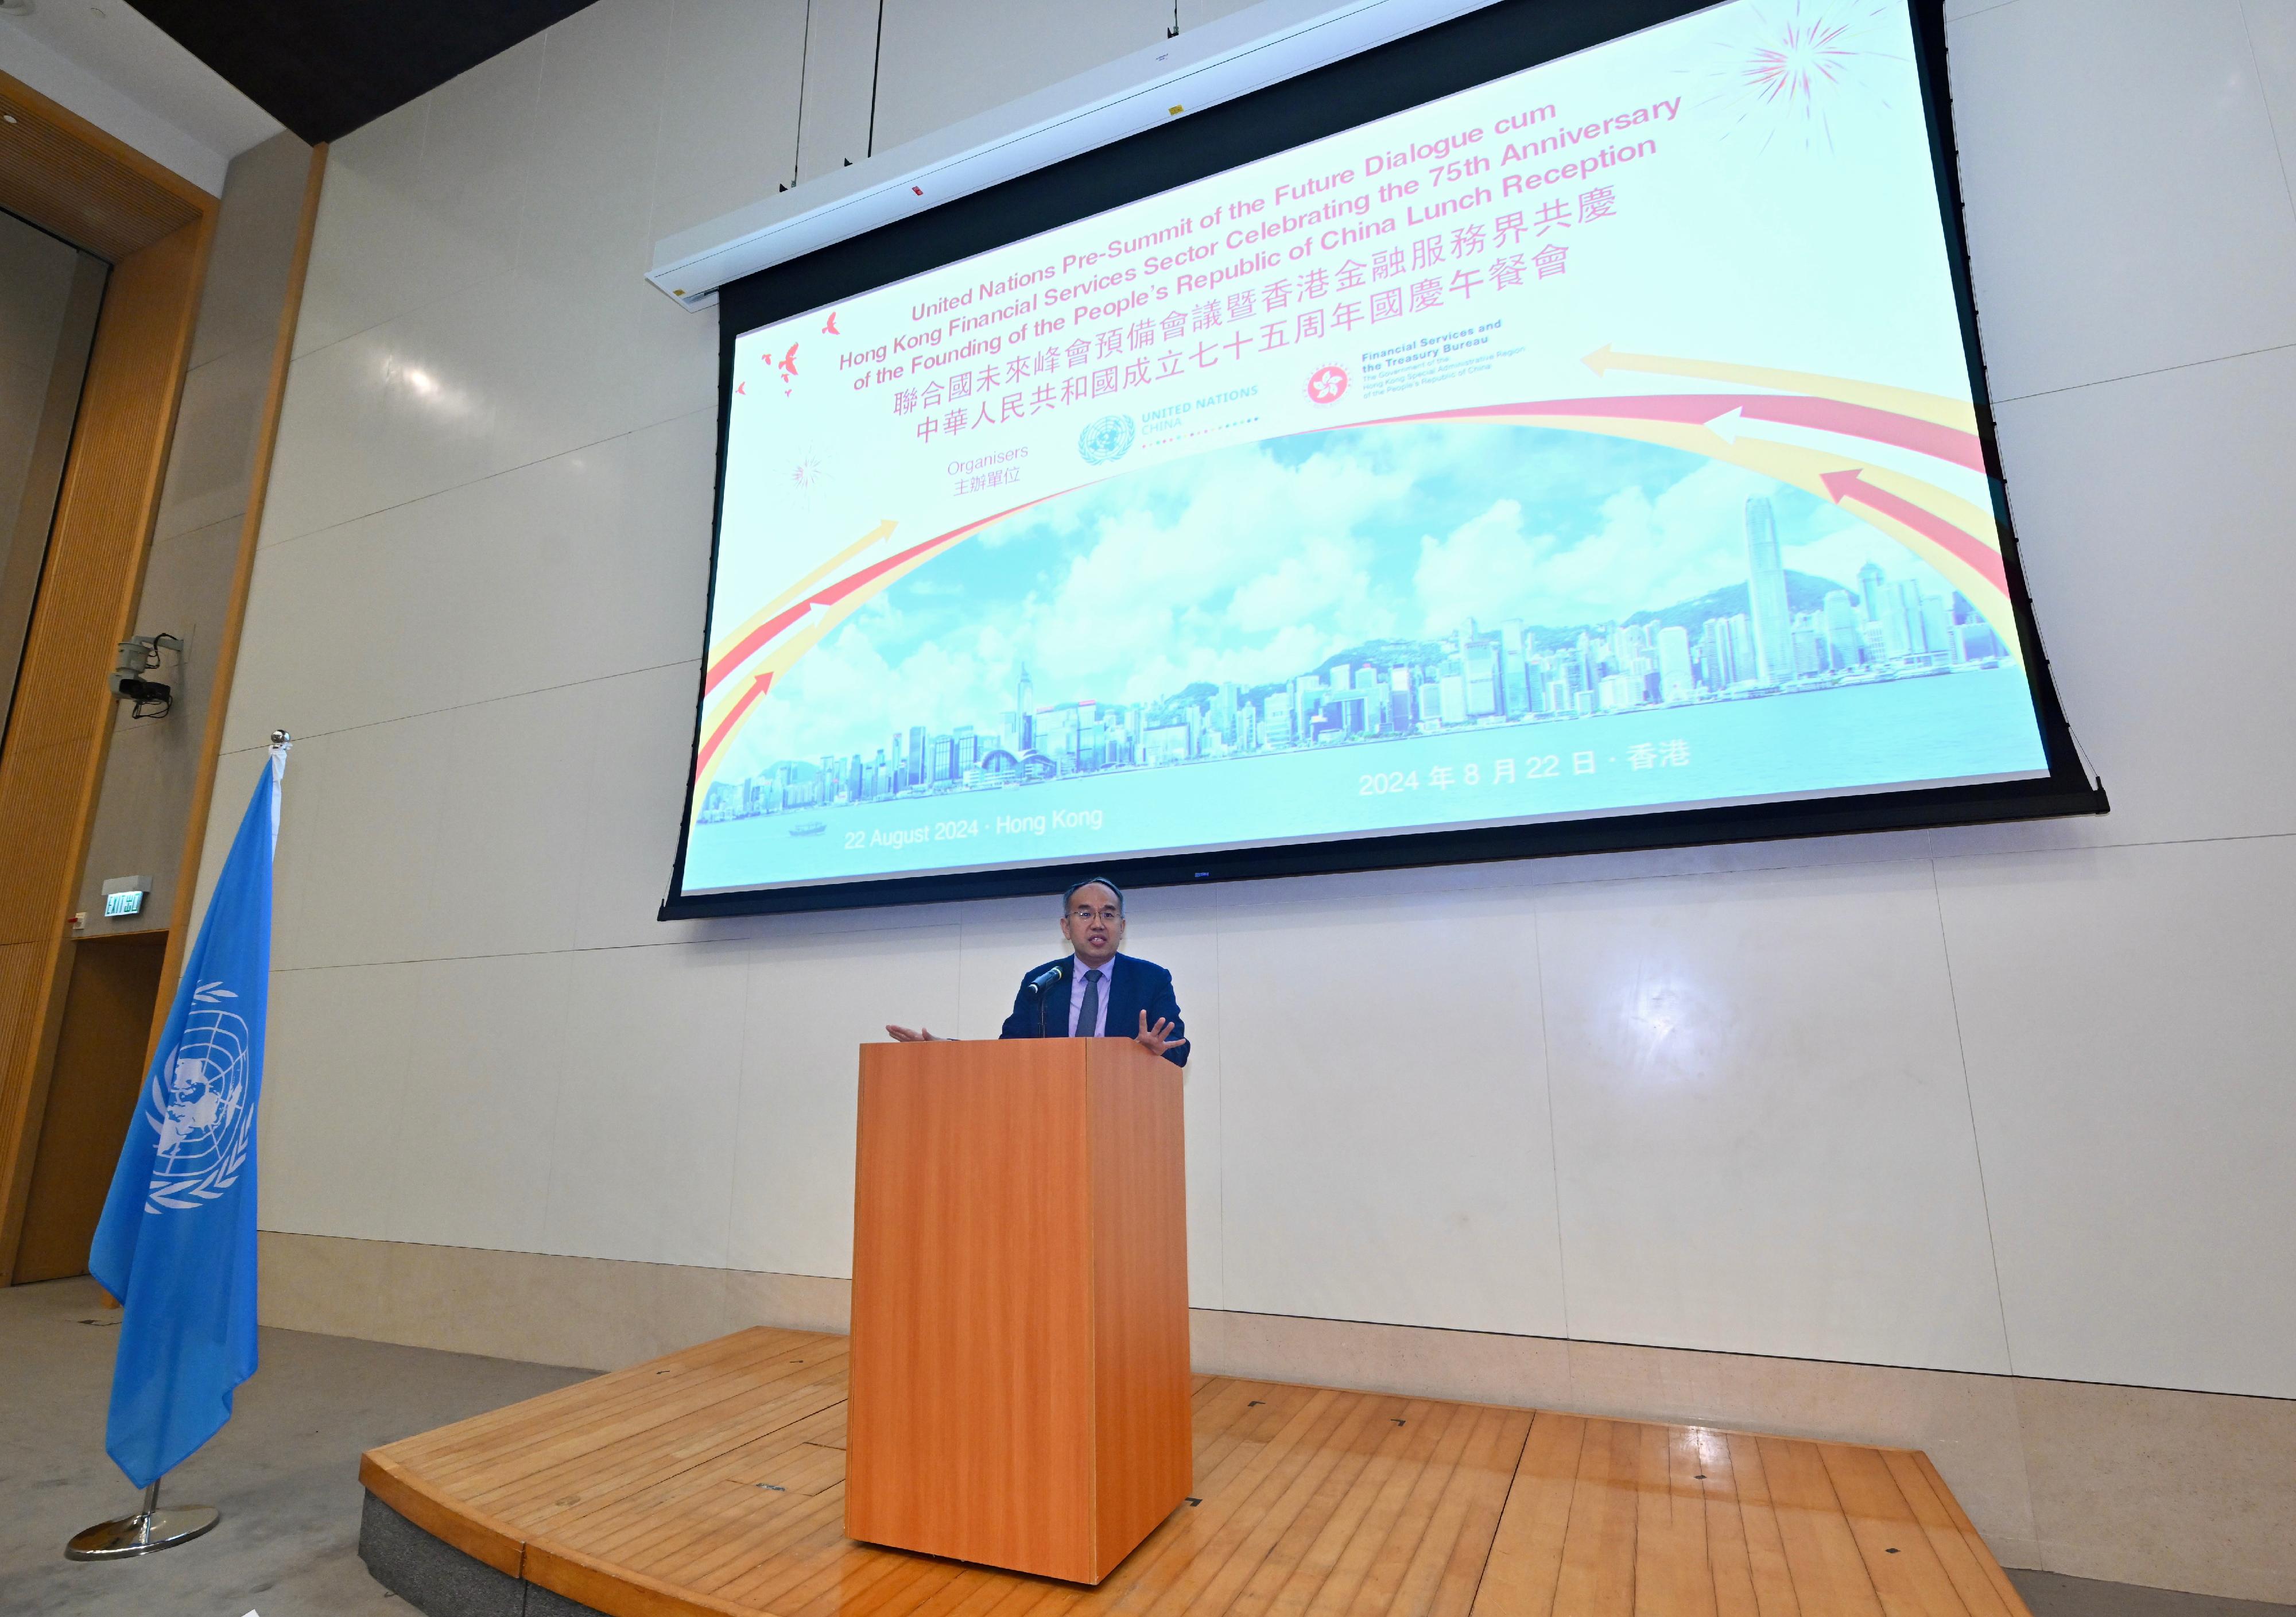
(1039, 985)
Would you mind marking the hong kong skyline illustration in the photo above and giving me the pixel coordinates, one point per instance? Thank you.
(1778, 633)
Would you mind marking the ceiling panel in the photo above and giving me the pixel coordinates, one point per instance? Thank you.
(324, 68)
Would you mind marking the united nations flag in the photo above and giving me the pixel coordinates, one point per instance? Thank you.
(176, 1244)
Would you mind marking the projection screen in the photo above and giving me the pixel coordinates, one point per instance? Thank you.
(1587, 450)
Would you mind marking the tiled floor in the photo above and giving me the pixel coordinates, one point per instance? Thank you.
(285, 1472)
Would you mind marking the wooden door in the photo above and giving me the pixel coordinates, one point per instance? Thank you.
(115, 984)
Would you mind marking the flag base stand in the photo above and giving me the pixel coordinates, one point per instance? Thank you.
(149, 1529)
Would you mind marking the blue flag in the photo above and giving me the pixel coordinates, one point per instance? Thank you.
(176, 1244)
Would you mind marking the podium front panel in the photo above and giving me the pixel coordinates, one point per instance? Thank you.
(1019, 1391)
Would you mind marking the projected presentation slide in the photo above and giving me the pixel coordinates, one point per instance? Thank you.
(1594, 441)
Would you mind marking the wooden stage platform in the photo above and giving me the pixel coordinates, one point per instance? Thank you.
(712, 1481)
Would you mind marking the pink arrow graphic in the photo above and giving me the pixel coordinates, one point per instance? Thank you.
(727, 726)
(771, 629)
(748, 646)
(1849, 484)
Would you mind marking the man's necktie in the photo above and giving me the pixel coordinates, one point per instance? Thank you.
(1088, 1013)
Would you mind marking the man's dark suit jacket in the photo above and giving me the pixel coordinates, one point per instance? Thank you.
(1133, 986)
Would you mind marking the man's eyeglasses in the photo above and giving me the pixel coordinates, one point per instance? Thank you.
(1110, 914)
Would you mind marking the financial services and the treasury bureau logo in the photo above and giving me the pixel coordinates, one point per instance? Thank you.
(1106, 439)
(198, 1104)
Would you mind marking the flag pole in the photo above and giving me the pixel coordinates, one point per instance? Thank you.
(149, 1529)
(183, 1196)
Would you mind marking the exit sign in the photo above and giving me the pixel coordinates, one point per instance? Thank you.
(123, 903)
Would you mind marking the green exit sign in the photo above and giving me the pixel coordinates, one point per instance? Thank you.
(123, 903)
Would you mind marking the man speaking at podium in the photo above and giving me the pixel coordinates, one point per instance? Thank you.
(1094, 992)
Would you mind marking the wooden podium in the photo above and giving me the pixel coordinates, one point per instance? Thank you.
(1020, 1348)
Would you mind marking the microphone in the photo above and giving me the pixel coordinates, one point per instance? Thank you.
(1038, 984)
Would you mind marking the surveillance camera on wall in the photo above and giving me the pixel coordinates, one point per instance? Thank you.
(138, 656)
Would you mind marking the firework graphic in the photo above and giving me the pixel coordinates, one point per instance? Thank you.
(1786, 72)
(805, 475)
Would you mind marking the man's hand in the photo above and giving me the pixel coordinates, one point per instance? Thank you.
(1153, 1039)
(910, 1036)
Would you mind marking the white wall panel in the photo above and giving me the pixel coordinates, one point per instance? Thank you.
(641, 1135)
(946, 60)
(1195, 13)
(343, 629)
(369, 833)
(474, 385)
(634, 545)
(437, 360)
(661, 363)
(336, 1047)
(374, 255)
(816, 994)
(641, 742)
(2125, 1012)
(841, 84)
(1384, 1146)
(477, 133)
(2272, 33)
(729, 108)
(485, 1046)
(251, 253)
(1181, 934)
(139, 823)
(2143, 507)
(424, 200)
(613, 537)
(1003, 937)
(589, 168)
(210, 460)
(2100, 142)
(588, 565)
(1762, 1130)
(458, 389)
(509, 804)
(235, 776)
(1204, 1120)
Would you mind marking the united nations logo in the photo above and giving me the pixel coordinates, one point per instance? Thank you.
(1106, 440)
(198, 1105)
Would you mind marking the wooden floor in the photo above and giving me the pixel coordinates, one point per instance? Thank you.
(713, 1482)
